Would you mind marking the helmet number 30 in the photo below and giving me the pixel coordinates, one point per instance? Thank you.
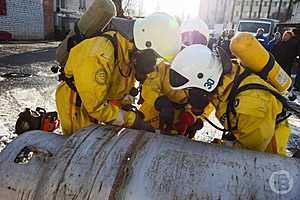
(209, 83)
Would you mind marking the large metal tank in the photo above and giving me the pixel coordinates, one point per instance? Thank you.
(106, 162)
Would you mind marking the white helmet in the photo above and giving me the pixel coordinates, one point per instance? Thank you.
(194, 31)
(196, 67)
(159, 32)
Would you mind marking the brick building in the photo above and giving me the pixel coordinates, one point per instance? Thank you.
(27, 19)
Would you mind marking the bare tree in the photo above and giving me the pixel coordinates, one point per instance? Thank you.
(120, 11)
(133, 7)
(129, 7)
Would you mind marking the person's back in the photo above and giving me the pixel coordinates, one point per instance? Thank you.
(256, 112)
(92, 66)
(245, 104)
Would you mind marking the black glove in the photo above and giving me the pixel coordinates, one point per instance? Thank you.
(140, 124)
(191, 131)
(198, 99)
(166, 118)
(166, 112)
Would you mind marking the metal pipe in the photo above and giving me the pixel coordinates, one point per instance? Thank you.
(251, 7)
(270, 7)
(232, 12)
(279, 8)
(106, 162)
(260, 7)
(224, 11)
(216, 11)
(242, 8)
(289, 10)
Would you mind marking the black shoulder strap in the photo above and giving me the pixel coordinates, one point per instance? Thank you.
(75, 39)
(288, 105)
(231, 100)
(267, 68)
(114, 41)
(79, 37)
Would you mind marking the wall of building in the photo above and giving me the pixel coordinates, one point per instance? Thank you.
(220, 11)
(68, 12)
(245, 13)
(216, 11)
(296, 13)
(23, 19)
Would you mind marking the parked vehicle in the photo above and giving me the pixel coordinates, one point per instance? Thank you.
(251, 25)
(5, 36)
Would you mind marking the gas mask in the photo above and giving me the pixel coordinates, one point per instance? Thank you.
(198, 99)
(143, 62)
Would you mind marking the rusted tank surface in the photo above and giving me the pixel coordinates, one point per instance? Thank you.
(106, 162)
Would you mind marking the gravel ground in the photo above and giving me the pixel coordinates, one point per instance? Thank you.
(36, 87)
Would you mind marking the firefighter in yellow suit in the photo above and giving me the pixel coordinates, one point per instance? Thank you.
(100, 73)
(254, 122)
(157, 83)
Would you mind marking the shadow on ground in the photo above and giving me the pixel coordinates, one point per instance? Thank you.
(43, 55)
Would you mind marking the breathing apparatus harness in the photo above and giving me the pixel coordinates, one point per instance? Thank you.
(289, 107)
(142, 59)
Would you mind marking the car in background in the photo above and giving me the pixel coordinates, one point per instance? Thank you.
(251, 25)
(5, 36)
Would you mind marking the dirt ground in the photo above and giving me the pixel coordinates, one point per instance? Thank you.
(26, 80)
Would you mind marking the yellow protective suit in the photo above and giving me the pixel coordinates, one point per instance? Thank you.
(157, 84)
(102, 84)
(256, 116)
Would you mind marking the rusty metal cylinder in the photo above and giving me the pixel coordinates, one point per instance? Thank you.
(106, 162)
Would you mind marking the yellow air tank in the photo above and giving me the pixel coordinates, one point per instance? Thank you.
(254, 56)
(97, 16)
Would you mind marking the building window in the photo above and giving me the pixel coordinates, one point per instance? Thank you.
(275, 3)
(2, 7)
(255, 14)
(256, 3)
(63, 3)
(284, 4)
(82, 4)
(237, 13)
(266, 4)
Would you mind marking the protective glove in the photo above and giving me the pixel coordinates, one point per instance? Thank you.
(186, 120)
(191, 131)
(166, 119)
(140, 124)
(166, 112)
